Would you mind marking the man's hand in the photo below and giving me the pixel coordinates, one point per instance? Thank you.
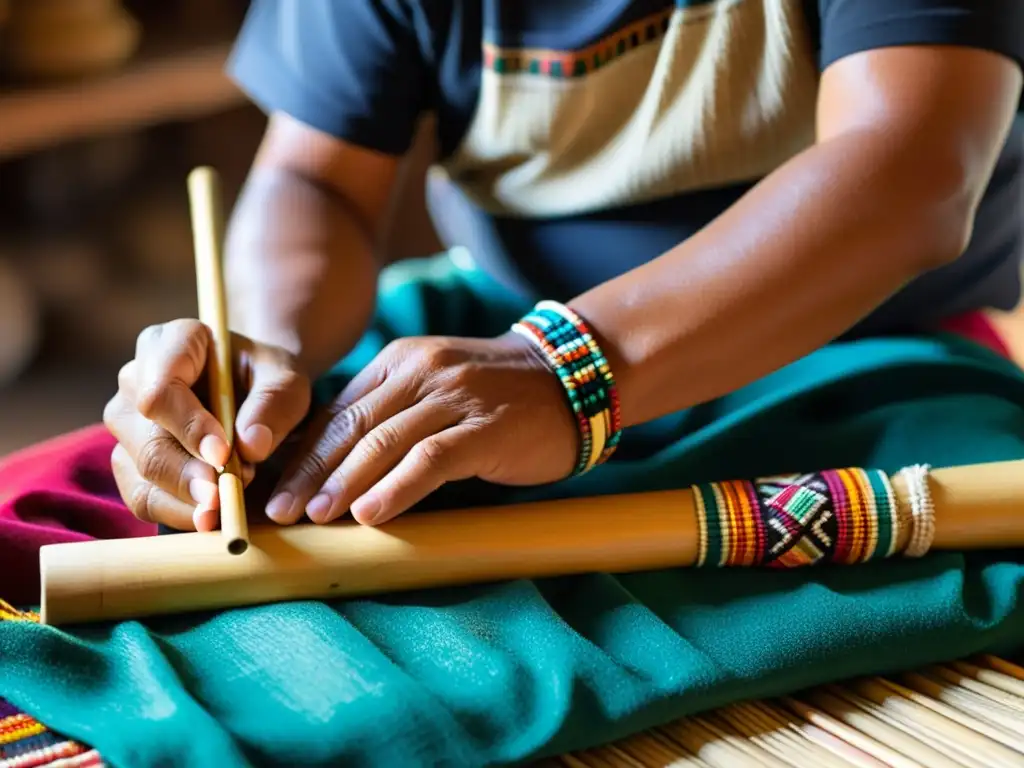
(169, 443)
(425, 412)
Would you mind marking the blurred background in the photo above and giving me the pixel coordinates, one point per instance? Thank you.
(104, 108)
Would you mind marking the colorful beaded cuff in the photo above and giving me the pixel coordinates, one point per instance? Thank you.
(586, 377)
(840, 516)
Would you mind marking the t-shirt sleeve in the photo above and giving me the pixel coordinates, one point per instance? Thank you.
(350, 68)
(852, 26)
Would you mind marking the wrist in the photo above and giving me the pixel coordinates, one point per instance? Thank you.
(572, 353)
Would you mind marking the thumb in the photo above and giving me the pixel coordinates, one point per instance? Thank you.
(278, 400)
(169, 360)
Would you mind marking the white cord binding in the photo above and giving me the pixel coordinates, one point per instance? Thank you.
(922, 510)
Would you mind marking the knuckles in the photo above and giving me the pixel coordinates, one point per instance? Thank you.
(151, 399)
(152, 461)
(346, 422)
(429, 454)
(139, 502)
(431, 354)
(312, 470)
(292, 383)
(287, 384)
(380, 441)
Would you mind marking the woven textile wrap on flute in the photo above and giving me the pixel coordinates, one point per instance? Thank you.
(842, 516)
(493, 674)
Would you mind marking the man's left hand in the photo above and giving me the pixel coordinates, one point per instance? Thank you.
(425, 412)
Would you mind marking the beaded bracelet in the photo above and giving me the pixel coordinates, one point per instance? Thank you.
(840, 516)
(586, 377)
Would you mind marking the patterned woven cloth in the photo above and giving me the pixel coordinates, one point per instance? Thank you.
(27, 743)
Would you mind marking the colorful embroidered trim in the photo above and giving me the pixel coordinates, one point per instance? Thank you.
(571, 64)
(840, 516)
(27, 743)
(586, 377)
(9, 613)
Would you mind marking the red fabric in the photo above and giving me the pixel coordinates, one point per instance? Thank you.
(62, 490)
(58, 491)
(977, 327)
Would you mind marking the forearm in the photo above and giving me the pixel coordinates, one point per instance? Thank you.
(300, 267)
(799, 260)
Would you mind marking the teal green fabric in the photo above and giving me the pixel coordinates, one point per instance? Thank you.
(498, 673)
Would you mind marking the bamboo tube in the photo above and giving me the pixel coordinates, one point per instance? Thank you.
(130, 578)
(207, 232)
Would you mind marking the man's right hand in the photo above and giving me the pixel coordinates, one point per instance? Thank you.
(168, 441)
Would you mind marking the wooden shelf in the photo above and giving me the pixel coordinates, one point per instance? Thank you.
(155, 87)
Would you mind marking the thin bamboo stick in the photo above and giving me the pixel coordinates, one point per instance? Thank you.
(666, 742)
(207, 232)
(973, 705)
(816, 740)
(647, 750)
(840, 728)
(994, 677)
(969, 728)
(844, 707)
(718, 748)
(745, 723)
(919, 724)
(980, 683)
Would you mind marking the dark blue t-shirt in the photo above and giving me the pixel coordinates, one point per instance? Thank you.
(582, 138)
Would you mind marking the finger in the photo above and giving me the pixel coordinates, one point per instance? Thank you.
(171, 359)
(127, 380)
(375, 455)
(363, 383)
(277, 402)
(158, 457)
(147, 501)
(442, 458)
(325, 447)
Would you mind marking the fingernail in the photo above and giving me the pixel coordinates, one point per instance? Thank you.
(319, 508)
(214, 451)
(280, 507)
(259, 440)
(366, 510)
(204, 518)
(203, 492)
